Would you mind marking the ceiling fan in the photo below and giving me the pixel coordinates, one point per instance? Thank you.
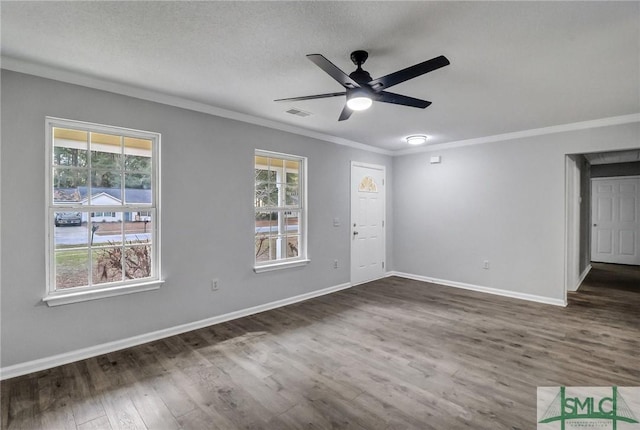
(362, 90)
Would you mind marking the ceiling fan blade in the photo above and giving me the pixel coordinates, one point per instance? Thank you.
(333, 71)
(408, 73)
(345, 114)
(399, 99)
(317, 96)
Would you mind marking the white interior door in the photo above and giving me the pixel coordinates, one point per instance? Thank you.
(367, 222)
(615, 216)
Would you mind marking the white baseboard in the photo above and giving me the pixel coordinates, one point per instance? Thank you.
(472, 287)
(582, 276)
(93, 351)
(353, 284)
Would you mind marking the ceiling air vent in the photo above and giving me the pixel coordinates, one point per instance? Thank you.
(298, 112)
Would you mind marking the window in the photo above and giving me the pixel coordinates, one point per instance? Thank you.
(280, 211)
(100, 178)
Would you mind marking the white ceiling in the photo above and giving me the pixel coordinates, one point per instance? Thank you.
(514, 65)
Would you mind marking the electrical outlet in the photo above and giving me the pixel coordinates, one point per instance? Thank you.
(486, 264)
(335, 264)
(215, 284)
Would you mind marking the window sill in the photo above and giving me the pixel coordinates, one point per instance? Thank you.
(65, 298)
(279, 266)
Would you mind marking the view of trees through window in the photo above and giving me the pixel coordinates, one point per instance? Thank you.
(102, 207)
(278, 207)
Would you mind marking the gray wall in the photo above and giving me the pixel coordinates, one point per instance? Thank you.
(491, 201)
(616, 169)
(501, 201)
(207, 186)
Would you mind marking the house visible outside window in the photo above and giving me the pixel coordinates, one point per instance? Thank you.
(103, 214)
(100, 178)
(280, 210)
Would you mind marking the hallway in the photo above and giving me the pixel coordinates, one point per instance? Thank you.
(605, 279)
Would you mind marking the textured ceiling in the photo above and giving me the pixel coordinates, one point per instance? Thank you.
(514, 65)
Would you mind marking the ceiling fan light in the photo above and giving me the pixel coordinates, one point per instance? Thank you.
(417, 139)
(359, 103)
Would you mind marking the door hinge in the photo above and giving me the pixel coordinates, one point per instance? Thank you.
(383, 223)
(383, 264)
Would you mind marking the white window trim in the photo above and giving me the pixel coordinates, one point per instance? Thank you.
(84, 294)
(55, 297)
(281, 265)
(303, 257)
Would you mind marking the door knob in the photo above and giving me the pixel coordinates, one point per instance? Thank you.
(595, 225)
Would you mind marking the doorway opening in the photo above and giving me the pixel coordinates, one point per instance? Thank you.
(602, 209)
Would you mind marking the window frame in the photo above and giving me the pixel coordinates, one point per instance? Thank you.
(55, 297)
(303, 257)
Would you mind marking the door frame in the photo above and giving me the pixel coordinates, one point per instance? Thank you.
(572, 226)
(384, 212)
(573, 232)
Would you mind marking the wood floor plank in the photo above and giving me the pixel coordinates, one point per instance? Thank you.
(307, 415)
(54, 399)
(85, 401)
(203, 399)
(121, 411)
(59, 418)
(4, 405)
(101, 423)
(197, 419)
(393, 354)
(229, 399)
(22, 403)
(173, 396)
(152, 409)
(391, 417)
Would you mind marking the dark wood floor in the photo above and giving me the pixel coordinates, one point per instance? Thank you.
(391, 354)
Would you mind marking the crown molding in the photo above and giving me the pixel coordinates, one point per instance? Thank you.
(582, 125)
(48, 72)
(70, 77)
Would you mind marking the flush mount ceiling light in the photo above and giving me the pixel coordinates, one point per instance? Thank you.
(417, 139)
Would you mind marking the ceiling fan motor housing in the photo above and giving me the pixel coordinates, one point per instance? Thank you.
(359, 75)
